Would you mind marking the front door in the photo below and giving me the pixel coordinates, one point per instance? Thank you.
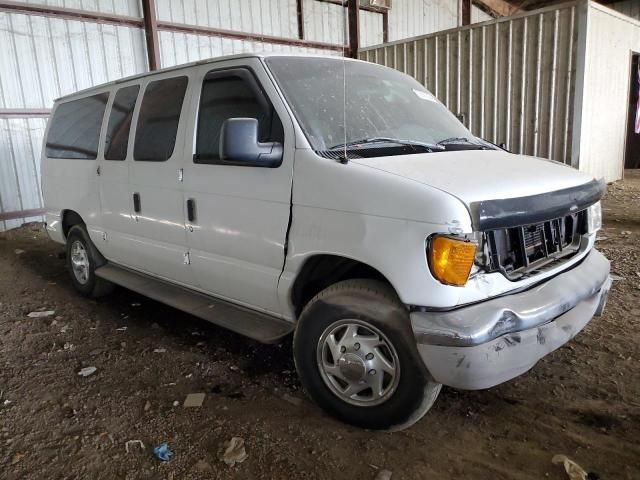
(240, 213)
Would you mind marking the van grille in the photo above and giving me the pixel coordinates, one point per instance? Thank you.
(529, 249)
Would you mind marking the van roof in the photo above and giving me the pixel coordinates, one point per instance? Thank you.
(198, 62)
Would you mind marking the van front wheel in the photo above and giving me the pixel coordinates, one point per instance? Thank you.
(82, 260)
(357, 358)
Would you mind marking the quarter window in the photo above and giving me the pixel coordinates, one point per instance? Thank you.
(158, 119)
(117, 137)
(75, 128)
(232, 94)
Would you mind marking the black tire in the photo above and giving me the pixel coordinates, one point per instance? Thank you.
(94, 286)
(370, 303)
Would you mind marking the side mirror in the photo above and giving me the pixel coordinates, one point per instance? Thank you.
(239, 145)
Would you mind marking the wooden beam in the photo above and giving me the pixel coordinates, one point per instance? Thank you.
(500, 8)
(24, 112)
(151, 33)
(21, 214)
(353, 8)
(300, 12)
(465, 10)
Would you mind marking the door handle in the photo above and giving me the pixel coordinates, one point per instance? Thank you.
(191, 210)
(136, 202)
(98, 170)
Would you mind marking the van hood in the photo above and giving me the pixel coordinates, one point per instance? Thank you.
(498, 188)
(477, 175)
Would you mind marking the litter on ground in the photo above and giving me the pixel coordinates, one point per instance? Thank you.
(193, 400)
(234, 451)
(46, 313)
(574, 471)
(131, 443)
(86, 371)
(163, 452)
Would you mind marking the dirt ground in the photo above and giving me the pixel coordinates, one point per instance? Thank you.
(583, 400)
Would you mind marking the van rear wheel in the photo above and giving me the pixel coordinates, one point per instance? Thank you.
(357, 358)
(82, 260)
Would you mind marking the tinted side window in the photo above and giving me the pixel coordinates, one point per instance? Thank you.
(117, 137)
(75, 128)
(158, 119)
(232, 94)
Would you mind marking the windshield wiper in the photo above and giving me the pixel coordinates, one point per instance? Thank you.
(455, 140)
(397, 141)
(463, 141)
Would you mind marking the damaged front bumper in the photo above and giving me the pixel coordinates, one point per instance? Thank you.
(488, 343)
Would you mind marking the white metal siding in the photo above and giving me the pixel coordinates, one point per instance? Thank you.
(20, 144)
(611, 38)
(119, 7)
(268, 17)
(370, 28)
(324, 22)
(408, 18)
(513, 79)
(478, 15)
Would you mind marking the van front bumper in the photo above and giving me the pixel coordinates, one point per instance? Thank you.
(487, 343)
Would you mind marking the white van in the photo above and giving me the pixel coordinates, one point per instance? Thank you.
(334, 199)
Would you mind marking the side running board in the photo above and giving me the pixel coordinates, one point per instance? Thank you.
(261, 327)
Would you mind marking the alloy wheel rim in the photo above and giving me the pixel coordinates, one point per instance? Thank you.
(80, 262)
(358, 363)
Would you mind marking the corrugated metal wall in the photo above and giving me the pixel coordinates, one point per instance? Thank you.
(512, 79)
(20, 143)
(409, 18)
(268, 17)
(611, 40)
(630, 8)
(42, 58)
(120, 7)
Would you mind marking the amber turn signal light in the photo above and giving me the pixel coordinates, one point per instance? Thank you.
(451, 259)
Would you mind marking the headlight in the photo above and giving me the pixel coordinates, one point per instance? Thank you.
(594, 218)
(451, 259)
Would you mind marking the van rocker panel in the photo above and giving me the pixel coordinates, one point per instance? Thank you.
(255, 325)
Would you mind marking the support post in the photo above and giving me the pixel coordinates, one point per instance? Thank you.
(300, 12)
(465, 9)
(353, 7)
(151, 33)
(385, 27)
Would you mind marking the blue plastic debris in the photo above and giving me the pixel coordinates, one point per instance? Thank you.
(162, 452)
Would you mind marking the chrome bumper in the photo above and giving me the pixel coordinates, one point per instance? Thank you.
(488, 343)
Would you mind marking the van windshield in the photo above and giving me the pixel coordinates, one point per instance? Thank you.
(382, 106)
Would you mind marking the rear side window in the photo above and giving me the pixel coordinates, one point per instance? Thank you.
(75, 128)
(117, 137)
(158, 119)
(232, 94)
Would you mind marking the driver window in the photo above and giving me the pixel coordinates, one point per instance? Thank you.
(232, 94)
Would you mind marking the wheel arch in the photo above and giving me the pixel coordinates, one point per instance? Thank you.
(69, 218)
(322, 270)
